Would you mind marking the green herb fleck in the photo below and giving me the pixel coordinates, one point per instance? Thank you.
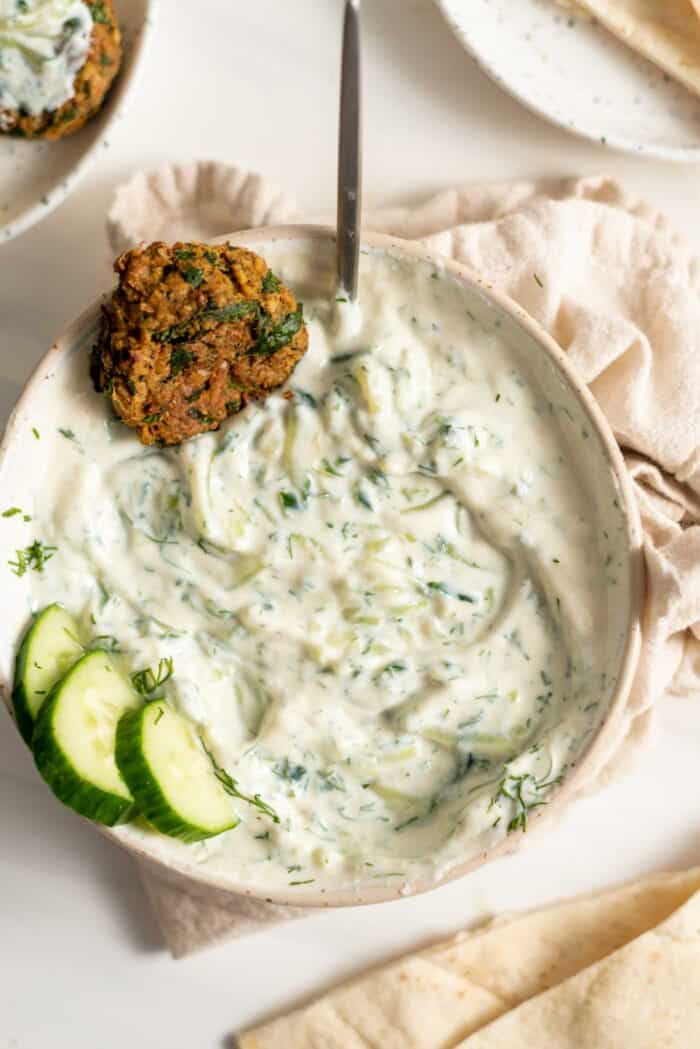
(12, 512)
(183, 254)
(62, 117)
(271, 336)
(537, 280)
(193, 275)
(443, 588)
(231, 787)
(343, 358)
(306, 398)
(232, 312)
(179, 360)
(287, 770)
(202, 417)
(35, 432)
(108, 642)
(289, 501)
(100, 14)
(330, 780)
(32, 557)
(223, 314)
(270, 282)
(393, 668)
(362, 497)
(147, 681)
(68, 434)
(523, 791)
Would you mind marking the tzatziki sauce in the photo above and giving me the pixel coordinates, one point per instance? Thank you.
(395, 595)
(43, 46)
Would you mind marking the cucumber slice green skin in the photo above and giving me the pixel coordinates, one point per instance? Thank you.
(58, 768)
(50, 647)
(149, 784)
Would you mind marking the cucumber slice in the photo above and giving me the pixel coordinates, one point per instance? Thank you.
(170, 775)
(74, 739)
(50, 648)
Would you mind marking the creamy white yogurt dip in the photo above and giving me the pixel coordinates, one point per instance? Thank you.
(395, 603)
(43, 46)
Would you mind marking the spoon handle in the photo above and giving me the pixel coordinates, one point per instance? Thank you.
(350, 155)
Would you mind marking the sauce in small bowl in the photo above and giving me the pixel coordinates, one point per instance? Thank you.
(402, 604)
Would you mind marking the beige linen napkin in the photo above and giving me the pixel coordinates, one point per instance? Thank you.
(619, 291)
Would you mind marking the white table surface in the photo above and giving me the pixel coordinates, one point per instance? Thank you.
(81, 964)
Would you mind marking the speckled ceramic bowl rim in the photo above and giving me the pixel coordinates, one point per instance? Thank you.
(600, 742)
(118, 99)
(678, 154)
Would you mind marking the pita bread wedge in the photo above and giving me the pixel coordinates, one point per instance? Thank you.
(451, 991)
(665, 31)
(645, 995)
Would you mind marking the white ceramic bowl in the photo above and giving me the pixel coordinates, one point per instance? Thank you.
(35, 177)
(21, 454)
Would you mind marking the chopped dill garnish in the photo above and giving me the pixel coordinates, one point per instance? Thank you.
(443, 588)
(231, 787)
(148, 680)
(523, 791)
(32, 557)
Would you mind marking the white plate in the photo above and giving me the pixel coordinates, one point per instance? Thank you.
(576, 74)
(35, 177)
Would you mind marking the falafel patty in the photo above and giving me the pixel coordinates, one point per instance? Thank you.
(92, 81)
(192, 334)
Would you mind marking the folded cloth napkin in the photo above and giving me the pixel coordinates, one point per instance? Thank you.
(610, 971)
(619, 291)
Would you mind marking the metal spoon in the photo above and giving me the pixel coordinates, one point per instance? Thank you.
(350, 156)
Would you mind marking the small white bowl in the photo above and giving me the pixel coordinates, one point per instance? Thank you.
(37, 176)
(195, 201)
(21, 456)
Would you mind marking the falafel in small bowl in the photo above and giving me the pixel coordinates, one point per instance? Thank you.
(314, 602)
(66, 67)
